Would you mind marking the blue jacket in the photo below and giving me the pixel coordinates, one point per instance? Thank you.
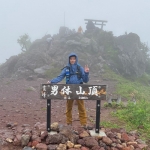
(73, 69)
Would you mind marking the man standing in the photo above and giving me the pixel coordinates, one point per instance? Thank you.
(75, 74)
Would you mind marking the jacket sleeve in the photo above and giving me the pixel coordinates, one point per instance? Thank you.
(85, 75)
(59, 78)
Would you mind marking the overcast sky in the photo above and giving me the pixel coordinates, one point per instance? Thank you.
(40, 17)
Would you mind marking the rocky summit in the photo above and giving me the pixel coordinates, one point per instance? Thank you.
(124, 54)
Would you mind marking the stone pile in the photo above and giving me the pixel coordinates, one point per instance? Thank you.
(68, 137)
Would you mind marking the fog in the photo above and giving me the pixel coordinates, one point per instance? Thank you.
(40, 17)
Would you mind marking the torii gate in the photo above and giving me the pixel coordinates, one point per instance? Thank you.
(97, 22)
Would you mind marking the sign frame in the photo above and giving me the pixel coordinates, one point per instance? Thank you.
(92, 92)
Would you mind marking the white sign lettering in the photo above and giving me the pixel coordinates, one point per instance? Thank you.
(54, 90)
(44, 94)
(66, 90)
(80, 91)
(44, 88)
(93, 90)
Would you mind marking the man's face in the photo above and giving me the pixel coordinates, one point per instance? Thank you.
(72, 60)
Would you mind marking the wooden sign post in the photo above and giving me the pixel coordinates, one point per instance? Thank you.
(73, 92)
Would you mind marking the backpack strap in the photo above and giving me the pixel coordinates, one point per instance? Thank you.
(78, 72)
(68, 74)
(64, 67)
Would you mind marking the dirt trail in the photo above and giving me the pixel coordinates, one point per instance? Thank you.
(20, 103)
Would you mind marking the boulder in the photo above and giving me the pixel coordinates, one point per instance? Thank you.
(81, 141)
(110, 135)
(125, 137)
(62, 147)
(41, 146)
(90, 142)
(130, 55)
(73, 43)
(17, 140)
(54, 126)
(34, 143)
(52, 147)
(67, 132)
(36, 138)
(53, 139)
(42, 70)
(25, 140)
(69, 144)
(107, 140)
(44, 134)
(84, 134)
(77, 146)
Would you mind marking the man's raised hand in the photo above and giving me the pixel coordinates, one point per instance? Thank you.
(48, 82)
(86, 68)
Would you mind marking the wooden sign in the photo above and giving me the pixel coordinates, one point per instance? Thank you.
(73, 91)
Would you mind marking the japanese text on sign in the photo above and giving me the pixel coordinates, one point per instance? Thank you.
(72, 91)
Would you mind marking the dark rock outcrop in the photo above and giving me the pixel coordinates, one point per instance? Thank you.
(125, 54)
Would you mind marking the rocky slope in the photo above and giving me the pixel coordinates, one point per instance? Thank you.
(125, 54)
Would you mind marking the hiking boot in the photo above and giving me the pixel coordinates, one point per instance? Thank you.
(86, 127)
(69, 124)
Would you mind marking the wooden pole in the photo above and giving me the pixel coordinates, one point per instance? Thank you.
(98, 106)
(49, 115)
